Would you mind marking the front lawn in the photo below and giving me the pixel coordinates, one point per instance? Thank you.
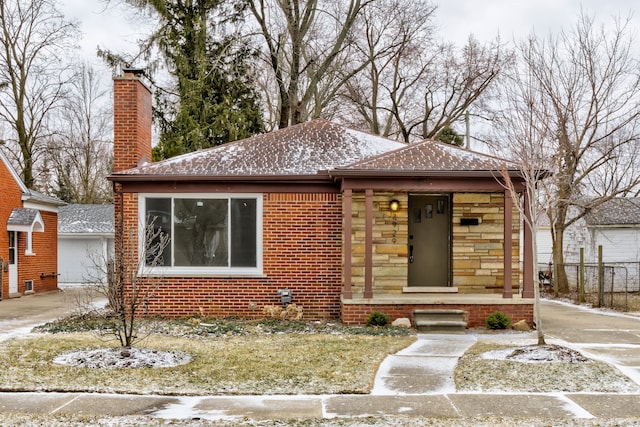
(259, 359)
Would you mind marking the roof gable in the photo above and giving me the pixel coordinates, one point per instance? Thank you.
(306, 149)
(13, 173)
(36, 199)
(27, 220)
(430, 157)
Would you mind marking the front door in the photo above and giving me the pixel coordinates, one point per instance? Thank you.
(13, 262)
(429, 240)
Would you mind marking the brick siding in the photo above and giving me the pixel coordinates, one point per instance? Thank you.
(475, 315)
(44, 244)
(301, 252)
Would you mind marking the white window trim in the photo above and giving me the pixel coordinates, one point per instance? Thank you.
(200, 271)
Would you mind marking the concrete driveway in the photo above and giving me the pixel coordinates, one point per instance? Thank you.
(19, 315)
(606, 335)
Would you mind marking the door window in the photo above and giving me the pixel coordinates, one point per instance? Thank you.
(12, 247)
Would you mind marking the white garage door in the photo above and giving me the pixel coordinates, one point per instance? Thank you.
(77, 258)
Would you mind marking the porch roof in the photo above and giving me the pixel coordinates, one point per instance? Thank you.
(428, 157)
(25, 220)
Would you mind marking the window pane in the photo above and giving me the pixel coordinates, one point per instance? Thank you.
(158, 220)
(200, 228)
(243, 233)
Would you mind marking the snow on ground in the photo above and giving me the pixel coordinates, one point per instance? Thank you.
(550, 353)
(112, 358)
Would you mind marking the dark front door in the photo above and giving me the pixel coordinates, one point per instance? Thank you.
(429, 240)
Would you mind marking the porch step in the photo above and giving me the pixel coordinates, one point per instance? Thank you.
(440, 321)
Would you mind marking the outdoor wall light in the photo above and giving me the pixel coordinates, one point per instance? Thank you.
(394, 205)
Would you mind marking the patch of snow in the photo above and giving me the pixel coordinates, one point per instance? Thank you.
(536, 354)
(113, 358)
(571, 406)
(186, 408)
(370, 145)
(14, 331)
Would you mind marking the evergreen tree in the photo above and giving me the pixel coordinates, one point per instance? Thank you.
(212, 101)
(450, 136)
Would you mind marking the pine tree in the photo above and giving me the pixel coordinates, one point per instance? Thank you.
(212, 101)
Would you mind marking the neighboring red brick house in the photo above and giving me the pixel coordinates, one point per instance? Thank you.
(350, 223)
(28, 243)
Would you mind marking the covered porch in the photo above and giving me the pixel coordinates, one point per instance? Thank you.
(476, 258)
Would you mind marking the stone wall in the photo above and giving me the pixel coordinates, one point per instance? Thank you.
(478, 251)
(390, 237)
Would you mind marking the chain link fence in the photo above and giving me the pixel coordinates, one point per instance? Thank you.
(616, 286)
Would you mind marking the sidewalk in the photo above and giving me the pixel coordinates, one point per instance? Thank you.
(415, 382)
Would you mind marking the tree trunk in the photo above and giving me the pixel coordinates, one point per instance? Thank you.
(560, 280)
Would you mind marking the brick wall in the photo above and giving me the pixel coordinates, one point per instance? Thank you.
(302, 251)
(475, 315)
(11, 198)
(45, 259)
(44, 244)
(131, 122)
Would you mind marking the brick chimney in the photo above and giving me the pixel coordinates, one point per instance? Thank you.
(131, 120)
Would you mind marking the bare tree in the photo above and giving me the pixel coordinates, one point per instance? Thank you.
(81, 151)
(392, 40)
(34, 45)
(586, 106)
(413, 86)
(127, 289)
(527, 143)
(303, 41)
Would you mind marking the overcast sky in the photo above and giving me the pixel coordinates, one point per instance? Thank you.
(456, 19)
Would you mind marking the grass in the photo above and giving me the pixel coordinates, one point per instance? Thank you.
(475, 374)
(229, 357)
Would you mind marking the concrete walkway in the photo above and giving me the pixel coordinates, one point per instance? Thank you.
(425, 367)
(415, 382)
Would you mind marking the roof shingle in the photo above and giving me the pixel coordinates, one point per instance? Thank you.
(305, 149)
(78, 218)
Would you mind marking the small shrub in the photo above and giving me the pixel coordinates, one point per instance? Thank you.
(377, 318)
(498, 320)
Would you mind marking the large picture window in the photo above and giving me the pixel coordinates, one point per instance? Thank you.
(208, 235)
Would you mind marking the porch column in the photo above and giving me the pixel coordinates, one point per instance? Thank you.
(508, 242)
(528, 282)
(368, 245)
(347, 198)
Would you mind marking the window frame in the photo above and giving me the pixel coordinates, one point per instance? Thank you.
(204, 271)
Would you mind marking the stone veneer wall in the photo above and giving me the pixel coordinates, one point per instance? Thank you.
(478, 251)
(389, 257)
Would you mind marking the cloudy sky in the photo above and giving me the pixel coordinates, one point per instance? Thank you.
(456, 19)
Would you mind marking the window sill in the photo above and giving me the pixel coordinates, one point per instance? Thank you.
(202, 272)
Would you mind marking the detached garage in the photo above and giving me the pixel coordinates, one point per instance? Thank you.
(85, 242)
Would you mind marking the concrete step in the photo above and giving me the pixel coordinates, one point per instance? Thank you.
(443, 321)
(441, 326)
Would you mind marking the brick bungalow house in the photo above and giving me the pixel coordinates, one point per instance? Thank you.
(348, 222)
(28, 242)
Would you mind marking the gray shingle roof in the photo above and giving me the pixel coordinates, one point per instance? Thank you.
(36, 196)
(22, 216)
(617, 211)
(304, 149)
(85, 219)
